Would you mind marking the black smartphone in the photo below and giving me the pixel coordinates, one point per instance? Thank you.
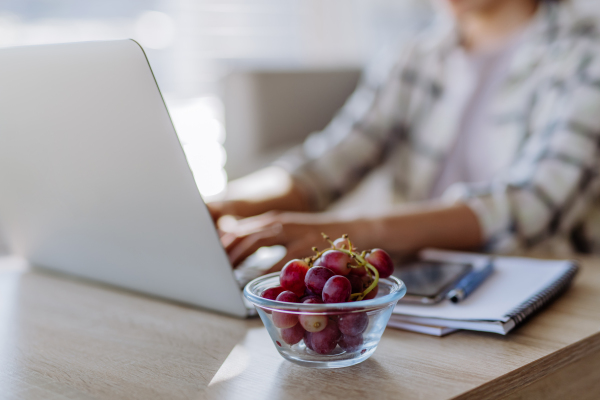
(428, 282)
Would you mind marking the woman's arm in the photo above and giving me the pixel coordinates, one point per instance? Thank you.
(270, 189)
(330, 163)
(555, 178)
(401, 232)
(406, 232)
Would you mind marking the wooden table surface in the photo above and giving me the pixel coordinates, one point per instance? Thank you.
(61, 338)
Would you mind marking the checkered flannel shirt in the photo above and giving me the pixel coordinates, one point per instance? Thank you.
(545, 117)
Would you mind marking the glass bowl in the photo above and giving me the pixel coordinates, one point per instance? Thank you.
(352, 330)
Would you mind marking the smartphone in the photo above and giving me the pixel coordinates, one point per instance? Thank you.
(428, 282)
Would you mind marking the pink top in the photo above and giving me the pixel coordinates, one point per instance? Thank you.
(467, 160)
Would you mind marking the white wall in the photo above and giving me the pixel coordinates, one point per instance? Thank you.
(215, 37)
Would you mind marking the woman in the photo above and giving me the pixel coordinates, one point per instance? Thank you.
(491, 126)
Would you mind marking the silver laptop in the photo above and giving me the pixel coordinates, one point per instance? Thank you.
(94, 181)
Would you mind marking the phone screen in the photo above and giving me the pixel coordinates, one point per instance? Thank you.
(430, 279)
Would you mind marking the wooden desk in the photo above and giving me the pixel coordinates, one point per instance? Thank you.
(65, 339)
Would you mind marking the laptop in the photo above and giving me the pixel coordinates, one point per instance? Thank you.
(94, 181)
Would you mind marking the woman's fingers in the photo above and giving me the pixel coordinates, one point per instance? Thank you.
(215, 210)
(250, 225)
(239, 208)
(235, 231)
(242, 247)
(244, 237)
(230, 240)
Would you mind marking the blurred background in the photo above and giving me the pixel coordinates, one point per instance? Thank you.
(243, 79)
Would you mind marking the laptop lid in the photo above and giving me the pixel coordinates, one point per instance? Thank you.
(93, 179)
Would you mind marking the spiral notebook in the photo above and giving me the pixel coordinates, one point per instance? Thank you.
(517, 288)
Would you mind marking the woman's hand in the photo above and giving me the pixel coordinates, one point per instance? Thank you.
(260, 192)
(239, 208)
(400, 232)
(298, 232)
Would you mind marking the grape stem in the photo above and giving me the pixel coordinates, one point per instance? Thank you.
(360, 260)
(363, 263)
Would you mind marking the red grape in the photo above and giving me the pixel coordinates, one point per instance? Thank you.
(353, 324)
(292, 335)
(342, 243)
(313, 323)
(372, 293)
(308, 340)
(337, 289)
(316, 277)
(382, 261)
(283, 319)
(350, 343)
(361, 271)
(312, 300)
(292, 276)
(272, 293)
(288, 297)
(357, 283)
(324, 342)
(336, 261)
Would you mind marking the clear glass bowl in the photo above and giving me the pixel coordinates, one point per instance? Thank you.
(352, 330)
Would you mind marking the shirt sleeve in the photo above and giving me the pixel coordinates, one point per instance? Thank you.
(555, 177)
(332, 162)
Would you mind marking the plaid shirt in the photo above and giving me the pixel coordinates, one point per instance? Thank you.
(545, 119)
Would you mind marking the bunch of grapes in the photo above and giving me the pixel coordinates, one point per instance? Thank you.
(337, 274)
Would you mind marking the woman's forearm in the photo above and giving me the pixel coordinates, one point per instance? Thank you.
(269, 189)
(290, 199)
(406, 232)
(400, 232)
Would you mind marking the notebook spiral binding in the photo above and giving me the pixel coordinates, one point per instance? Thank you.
(526, 309)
